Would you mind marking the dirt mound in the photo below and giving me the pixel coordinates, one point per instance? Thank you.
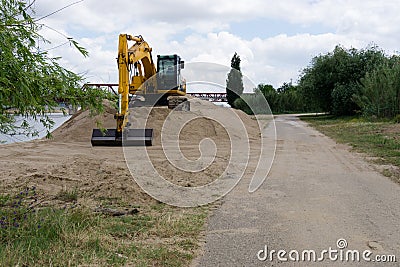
(100, 174)
(79, 127)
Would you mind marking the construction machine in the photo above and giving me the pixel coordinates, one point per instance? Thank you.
(147, 85)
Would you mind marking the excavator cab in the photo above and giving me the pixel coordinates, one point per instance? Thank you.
(169, 73)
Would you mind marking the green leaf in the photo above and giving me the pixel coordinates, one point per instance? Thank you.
(30, 81)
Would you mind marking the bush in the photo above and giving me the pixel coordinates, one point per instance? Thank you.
(242, 105)
(253, 104)
(380, 92)
(328, 82)
(342, 99)
(396, 119)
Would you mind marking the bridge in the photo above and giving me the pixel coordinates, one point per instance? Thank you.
(213, 97)
(209, 96)
(108, 86)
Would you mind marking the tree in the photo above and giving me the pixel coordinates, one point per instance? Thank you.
(31, 82)
(284, 99)
(380, 91)
(331, 80)
(270, 95)
(342, 98)
(234, 82)
(289, 99)
(253, 103)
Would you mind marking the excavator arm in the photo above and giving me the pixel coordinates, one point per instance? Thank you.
(135, 66)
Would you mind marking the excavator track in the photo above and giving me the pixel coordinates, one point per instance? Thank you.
(178, 103)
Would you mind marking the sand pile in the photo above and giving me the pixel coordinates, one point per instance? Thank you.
(99, 174)
(79, 127)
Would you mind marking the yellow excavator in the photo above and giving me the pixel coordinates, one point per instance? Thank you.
(146, 85)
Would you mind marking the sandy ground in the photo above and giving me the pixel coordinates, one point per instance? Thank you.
(69, 162)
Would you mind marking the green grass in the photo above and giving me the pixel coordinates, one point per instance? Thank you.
(377, 138)
(68, 195)
(156, 236)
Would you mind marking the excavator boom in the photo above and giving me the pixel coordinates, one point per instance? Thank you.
(129, 59)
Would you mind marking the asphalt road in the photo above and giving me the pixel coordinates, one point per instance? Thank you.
(316, 193)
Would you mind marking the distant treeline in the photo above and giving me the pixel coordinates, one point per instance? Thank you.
(342, 82)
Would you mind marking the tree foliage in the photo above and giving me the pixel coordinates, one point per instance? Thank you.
(285, 99)
(254, 103)
(267, 99)
(380, 91)
(270, 95)
(331, 80)
(234, 82)
(32, 82)
(343, 82)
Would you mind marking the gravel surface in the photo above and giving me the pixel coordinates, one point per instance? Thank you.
(316, 193)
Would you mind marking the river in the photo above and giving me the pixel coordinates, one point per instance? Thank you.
(58, 119)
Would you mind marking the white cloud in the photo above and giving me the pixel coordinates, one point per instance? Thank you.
(199, 30)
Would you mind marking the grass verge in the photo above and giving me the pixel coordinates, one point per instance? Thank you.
(158, 235)
(379, 139)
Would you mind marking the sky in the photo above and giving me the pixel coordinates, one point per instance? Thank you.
(275, 40)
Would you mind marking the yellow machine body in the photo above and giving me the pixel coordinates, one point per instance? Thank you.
(138, 76)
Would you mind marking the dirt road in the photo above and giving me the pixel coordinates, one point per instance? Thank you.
(316, 193)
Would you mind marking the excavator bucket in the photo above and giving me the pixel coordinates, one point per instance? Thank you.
(132, 137)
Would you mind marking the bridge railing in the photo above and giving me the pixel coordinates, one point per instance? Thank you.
(214, 97)
(210, 96)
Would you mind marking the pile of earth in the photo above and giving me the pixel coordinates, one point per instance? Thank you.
(99, 175)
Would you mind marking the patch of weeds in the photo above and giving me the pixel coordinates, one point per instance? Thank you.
(396, 119)
(165, 255)
(186, 223)
(15, 212)
(4, 200)
(129, 226)
(387, 172)
(22, 227)
(157, 255)
(187, 244)
(158, 206)
(68, 195)
(110, 202)
(31, 236)
(44, 236)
